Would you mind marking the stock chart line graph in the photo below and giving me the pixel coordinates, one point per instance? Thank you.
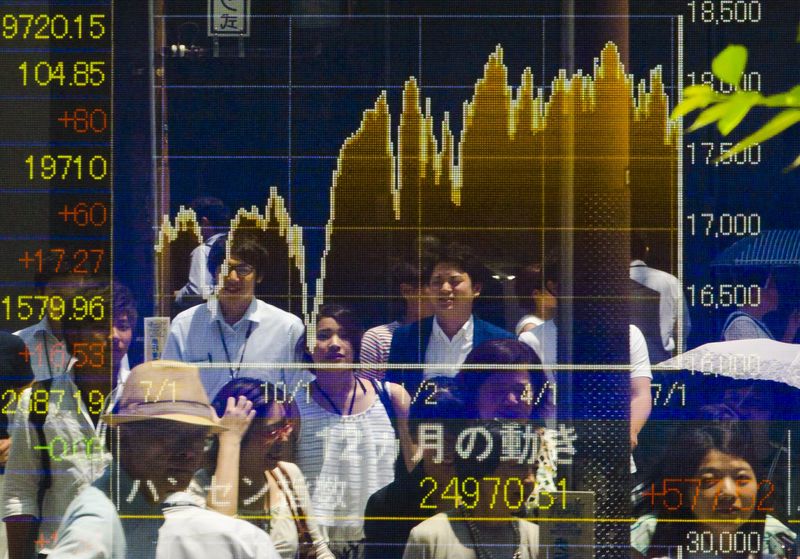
(496, 180)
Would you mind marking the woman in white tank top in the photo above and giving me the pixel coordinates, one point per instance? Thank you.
(347, 444)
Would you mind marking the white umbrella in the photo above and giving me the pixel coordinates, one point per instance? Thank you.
(760, 359)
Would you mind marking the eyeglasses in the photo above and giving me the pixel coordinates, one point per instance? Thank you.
(272, 432)
(241, 270)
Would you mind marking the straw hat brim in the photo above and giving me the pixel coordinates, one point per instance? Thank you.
(116, 419)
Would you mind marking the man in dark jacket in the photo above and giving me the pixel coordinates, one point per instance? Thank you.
(443, 341)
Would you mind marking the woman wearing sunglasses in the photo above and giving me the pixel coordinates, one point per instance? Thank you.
(253, 475)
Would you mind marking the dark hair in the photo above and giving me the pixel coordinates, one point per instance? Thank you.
(403, 273)
(259, 393)
(52, 268)
(351, 329)
(124, 303)
(460, 256)
(497, 352)
(438, 401)
(682, 458)
(75, 324)
(528, 279)
(245, 247)
(639, 245)
(211, 208)
(476, 465)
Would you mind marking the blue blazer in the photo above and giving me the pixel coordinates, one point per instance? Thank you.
(410, 342)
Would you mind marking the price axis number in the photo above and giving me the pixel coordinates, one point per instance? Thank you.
(724, 296)
(716, 12)
(724, 225)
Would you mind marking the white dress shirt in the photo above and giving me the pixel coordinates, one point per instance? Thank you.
(670, 301)
(190, 532)
(48, 355)
(544, 341)
(201, 281)
(442, 350)
(196, 336)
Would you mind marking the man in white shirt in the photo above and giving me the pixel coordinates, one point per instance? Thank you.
(668, 286)
(544, 341)
(213, 218)
(58, 439)
(240, 334)
(47, 351)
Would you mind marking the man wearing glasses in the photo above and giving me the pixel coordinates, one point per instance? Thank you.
(235, 334)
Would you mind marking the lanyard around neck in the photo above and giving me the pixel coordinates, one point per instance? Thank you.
(234, 372)
(352, 401)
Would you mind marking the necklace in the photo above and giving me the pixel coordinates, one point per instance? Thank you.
(484, 551)
(352, 400)
(234, 372)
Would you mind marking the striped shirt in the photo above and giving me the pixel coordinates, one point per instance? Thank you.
(375, 346)
(345, 459)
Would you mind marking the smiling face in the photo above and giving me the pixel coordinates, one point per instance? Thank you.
(452, 290)
(240, 283)
(332, 345)
(728, 490)
(266, 442)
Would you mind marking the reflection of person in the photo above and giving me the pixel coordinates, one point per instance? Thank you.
(47, 351)
(346, 446)
(237, 328)
(213, 217)
(522, 395)
(671, 298)
(437, 409)
(480, 526)
(443, 341)
(711, 486)
(158, 448)
(414, 306)
(15, 374)
(252, 479)
(535, 288)
(63, 414)
(544, 339)
(747, 322)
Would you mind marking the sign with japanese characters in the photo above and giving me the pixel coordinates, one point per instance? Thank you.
(228, 18)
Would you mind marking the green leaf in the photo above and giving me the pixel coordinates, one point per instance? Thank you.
(740, 104)
(794, 165)
(778, 124)
(793, 96)
(688, 105)
(729, 65)
(698, 90)
(710, 116)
